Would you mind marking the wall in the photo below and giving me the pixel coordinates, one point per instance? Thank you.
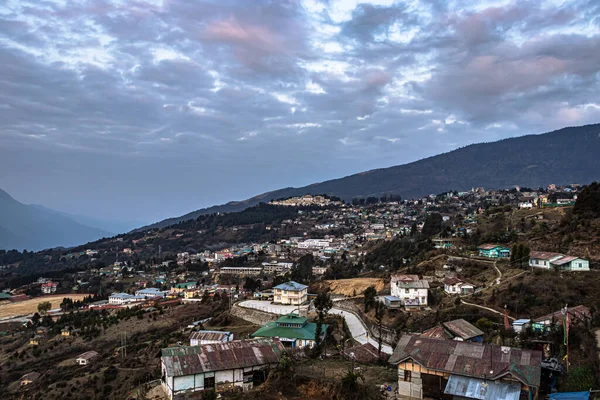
(414, 388)
(252, 315)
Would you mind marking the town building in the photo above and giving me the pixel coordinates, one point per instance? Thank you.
(200, 338)
(87, 357)
(457, 329)
(578, 314)
(241, 270)
(150, 293)
(520, 324)
(434, 368)
(548, 260)
(412, 291)
(222, 366)
(457, 286)
(29, 378)
(493, 251)
(49, 287)
(120, 299)
(180, 287)
(276, 267)
(290, 293)
(293, 331)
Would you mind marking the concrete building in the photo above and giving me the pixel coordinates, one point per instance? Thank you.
(150, 293)
(493, 251)
(223, 366)
(457, 286)
(548, 260)
(49, 287)
(200, 338)
(241, 271)
(293, 331)
(87, 357)
(412, 291)
(290, 293)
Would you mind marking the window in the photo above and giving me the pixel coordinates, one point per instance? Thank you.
(407, 291)
(407, 376)
(209, 383)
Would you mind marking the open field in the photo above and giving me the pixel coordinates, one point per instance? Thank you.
(30, 306)
(354, 287)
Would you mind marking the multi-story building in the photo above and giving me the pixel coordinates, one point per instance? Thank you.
(49, 287)
(290, 293)
(410, 289)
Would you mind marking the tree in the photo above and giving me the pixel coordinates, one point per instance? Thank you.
(370, 294)
(379, 314)
(433, 224)
(44, 307)
(322, 304)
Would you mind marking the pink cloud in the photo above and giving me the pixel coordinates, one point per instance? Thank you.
(246, 35)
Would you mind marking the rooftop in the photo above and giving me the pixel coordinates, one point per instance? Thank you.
(291, 286)
(462, 329)
(189, 360)
(577, 313)
(210, 335)
(470, 359)
(303, 330)
(544, 255)
(88, 355)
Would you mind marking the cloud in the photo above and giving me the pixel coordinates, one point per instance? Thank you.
(158, 90)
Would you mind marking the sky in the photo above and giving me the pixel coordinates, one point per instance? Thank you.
(146, 109)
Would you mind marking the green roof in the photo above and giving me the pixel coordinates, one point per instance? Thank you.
(185, 285)
(307, 332)
(4, 296)
(292, 319)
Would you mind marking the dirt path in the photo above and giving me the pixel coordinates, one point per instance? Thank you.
(498, 280)
(487, 308)
(597, 332)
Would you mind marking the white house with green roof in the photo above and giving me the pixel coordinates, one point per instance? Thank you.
(181, 287)
(292, 330)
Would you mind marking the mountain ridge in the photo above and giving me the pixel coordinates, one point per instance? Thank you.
(33, 227)
(499, 164)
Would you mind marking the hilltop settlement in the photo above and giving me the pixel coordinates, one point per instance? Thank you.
(482, 294)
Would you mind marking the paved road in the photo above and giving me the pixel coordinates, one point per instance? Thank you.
(355, 325)
(358, 329)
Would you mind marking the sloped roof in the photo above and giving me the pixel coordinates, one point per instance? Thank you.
(491, 247)
(577, 313)
(88, 355)
(306, 332)
(544, 255)
(462, 329)
(364, 353)
(291, 286)
(473, 388)
(470, 359)
(404, 278)
(564, 260)
(188, 360)
(437, 332)
(210, 335)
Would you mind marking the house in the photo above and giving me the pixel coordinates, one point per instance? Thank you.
(548, 260)
(319, 270)
(493, 251)
(180, 287)
(365, 354)
(65, 332)
(520, 324)
(457, 329)
(290, 293)
(124, 298)
(430, 367)
(150, 293)
(221, 366)
(199, 338)
(457, 286)
(87, 357)
(29, 378)
(192, 293)
(577, 314)
(242, 271)
(392, 302)
(410, 289)
(35, 341)
(439, 243)
(292, 330)
(49, 287)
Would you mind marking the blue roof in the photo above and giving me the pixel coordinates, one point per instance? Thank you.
(392, 298)
(292, 286)
(521, 321)
(570, 396)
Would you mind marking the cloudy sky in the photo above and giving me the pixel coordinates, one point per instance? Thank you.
(144, 109)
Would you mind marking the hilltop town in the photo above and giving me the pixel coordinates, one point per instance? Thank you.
(488, 285)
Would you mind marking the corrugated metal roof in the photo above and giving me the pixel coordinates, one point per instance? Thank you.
(462, 329)
(544, 255)
(188, 360)
(473, 388)
(291, 286)
(577, 313)
(210, 335)
(564, 260)
(364, 353)
(88, 355)
(472, 359)
(570, 396)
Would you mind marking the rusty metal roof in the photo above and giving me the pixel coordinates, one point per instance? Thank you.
(210, 335)
(462, 329)
(577, 313)
(437, 332)
(470, 359)
(544, 255)
(473, 388)
(364, 353)
(188, 360)
(404, 278)
(88, 355)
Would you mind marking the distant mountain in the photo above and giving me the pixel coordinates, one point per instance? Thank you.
(35, 228)
(113, 227)
(569, 155)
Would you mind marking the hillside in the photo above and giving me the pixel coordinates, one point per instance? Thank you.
(564, 156)
(35, 228)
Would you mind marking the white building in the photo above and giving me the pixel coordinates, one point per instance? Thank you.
(241, 270)
(275, 267)
(239, 363)
(548, 260)
(49, 287)
(124, 298)
(410, 289)
(200, 338)
(457, 286)
(149, 293)
(87, 357)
